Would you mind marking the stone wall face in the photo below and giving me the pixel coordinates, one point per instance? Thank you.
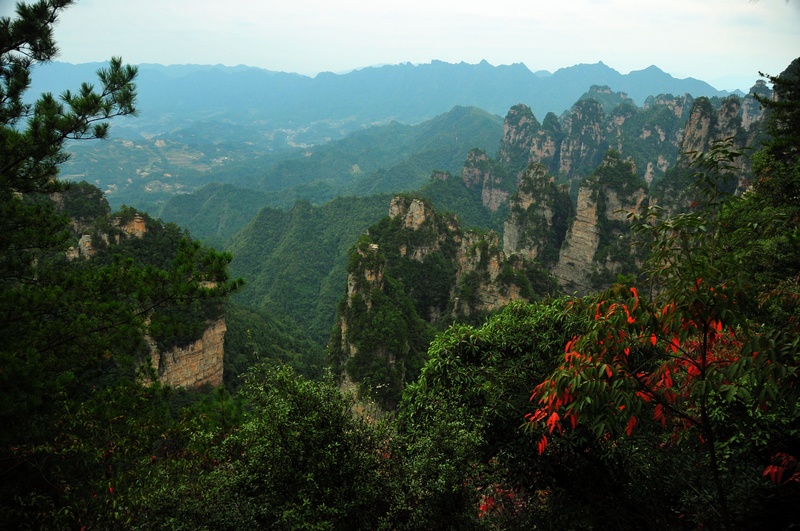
(577, 252)
(195, 365)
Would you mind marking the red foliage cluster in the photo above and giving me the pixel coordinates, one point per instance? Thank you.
(783, 464)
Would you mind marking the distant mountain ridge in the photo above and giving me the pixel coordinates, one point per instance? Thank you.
(331, 105)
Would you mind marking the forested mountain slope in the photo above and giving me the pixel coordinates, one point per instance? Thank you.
(215, 212)
(295, 261)
(585, 242)
(390, 157)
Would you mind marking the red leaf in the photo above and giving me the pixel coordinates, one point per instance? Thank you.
(658, 414)
(542, 446)
(631, 320)
(774, 473)
(631, 424)
(573, 419)
(552, 422)
(536, 416)
(653, 339)
(675, 344)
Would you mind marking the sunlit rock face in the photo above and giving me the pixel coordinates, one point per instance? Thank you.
(598, 245)
(197, 364)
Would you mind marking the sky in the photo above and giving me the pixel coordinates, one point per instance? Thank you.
(723, 42)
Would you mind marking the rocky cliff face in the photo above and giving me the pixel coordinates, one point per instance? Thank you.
(677, 105)
(474, 260)
(197, 364)
(651, 140)
(735, 118)
(480, 171)
(477, 168)
(478, 288)
(415, 270)
(135, 227)
(704, 125)
(379, 342)
(539, 212)
(525, 140)
(740, 120)
(585, 247)
(424, 233)
(96, 233)
(752, 112)
(577, 254)
(654, 136)
(598, 245)
(584, 139)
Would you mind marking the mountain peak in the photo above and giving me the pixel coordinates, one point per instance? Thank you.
(594, 68)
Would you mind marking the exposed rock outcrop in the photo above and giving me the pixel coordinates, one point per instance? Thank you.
(197, 364)
(584, 140)
(136, 226)
(477, 289)
(128, 225)
(477, 258)
(654, 136)
(598, 245)
(752, 111)
(96, 231)
(412, 213)
(525, 140)
(479, 172)
(477, 168)
(706, 124)
(413, 270)
(539, 212)
(378, 342)
(580, 246)
(677, 105)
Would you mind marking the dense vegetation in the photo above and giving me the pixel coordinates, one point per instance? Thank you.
(73, 329)
(666, 402)
(296, 261)
(215, 212)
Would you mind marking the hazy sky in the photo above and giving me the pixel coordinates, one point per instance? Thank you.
(724, 42)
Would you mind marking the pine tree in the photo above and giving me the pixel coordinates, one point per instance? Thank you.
(72, 331)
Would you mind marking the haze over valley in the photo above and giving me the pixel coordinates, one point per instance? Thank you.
(209, 124)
